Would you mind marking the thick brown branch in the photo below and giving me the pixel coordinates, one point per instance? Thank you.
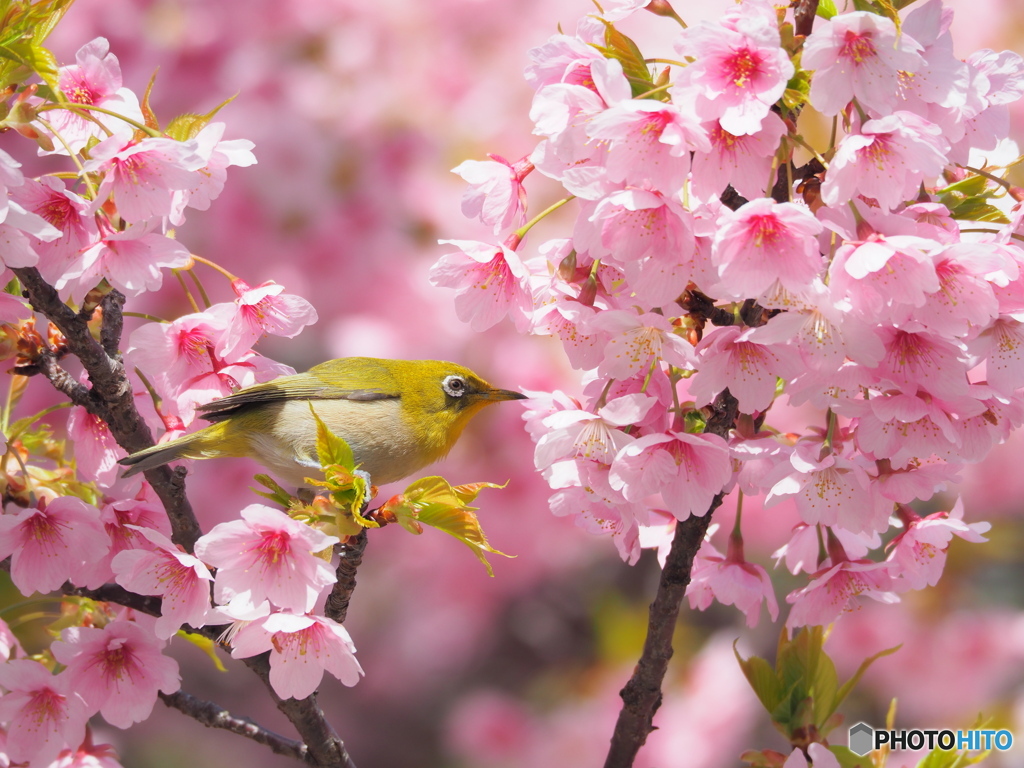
(803, 14)
(641, 696)
(325, 748)
(111, 394)
(215, 716)
(351, 558)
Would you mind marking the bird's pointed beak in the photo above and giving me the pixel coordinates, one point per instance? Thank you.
(497, 395)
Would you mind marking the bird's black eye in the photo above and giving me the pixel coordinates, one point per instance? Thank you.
(454, 385)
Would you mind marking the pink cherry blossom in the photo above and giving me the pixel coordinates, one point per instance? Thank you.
(43, 714)
(801, 552)
(966, 299)
(207, 184)
(858, 55)
(924, 360)
(734, 358)
(302, 648)
(117, 670)
(96, 450)
(887, 161)
(648, 143)
(636, 342)
(267, 556)
(67, 213)
(687, 470)
(744, 161)
(496, 194)
(562, 59)
(1001, 346)
(94, 80)
(884, 276)
(132, 260)
(490, 282)
(562, 113)
(9, 645)
(144, 175)
(920, 551)
(831, 488)
(909, 427)
(177, 352)
(824, 332)
(183, 581)
(597, 437)
(51, 543)
(996, 81)
(122, 519)
(181, 358)
(647, 236)
(732, 581)
(740, 69)
(88, 755)
(836, 589)
(568, 320)
(264, 309)
(764, 241)
(19, 228)
(600, 512)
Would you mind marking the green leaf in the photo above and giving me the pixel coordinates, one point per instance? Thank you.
(187, 126)
(331, 449)
(433, 501)
(826, 9)
(33, 58)
(824, 687)
(148, 115)
(277, 494)
(976, 209)
(849, 759)
(762, 678)
(971, 186)
(844, 691)
(206, 645)
(621, 48)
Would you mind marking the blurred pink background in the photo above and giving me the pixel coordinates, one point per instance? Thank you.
(358, 112)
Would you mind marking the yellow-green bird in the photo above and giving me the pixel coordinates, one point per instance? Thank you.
(398, 416)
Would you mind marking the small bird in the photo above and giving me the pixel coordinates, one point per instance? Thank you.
(398, 416)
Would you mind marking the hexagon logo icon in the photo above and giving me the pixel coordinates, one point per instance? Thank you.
(861, 739)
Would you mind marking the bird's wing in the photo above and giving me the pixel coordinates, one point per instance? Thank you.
(301, 386)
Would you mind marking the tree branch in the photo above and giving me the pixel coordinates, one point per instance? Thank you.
(325, 747)
(351, 558)
(115, 593)
(111, 394)
(215, 716)
(641, 696)
(803, 14)
(111, 399)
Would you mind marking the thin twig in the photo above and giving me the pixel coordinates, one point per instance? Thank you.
(641, 696)
(115, 593)
(351, 558)
(215, 716)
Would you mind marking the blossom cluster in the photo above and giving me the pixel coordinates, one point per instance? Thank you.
(112, 229)
(870, 287)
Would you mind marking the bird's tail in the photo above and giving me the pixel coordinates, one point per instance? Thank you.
(208, 443)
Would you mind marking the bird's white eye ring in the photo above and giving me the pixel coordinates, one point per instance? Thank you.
(454, 385)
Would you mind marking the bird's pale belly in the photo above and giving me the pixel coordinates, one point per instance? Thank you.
(381, 441)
